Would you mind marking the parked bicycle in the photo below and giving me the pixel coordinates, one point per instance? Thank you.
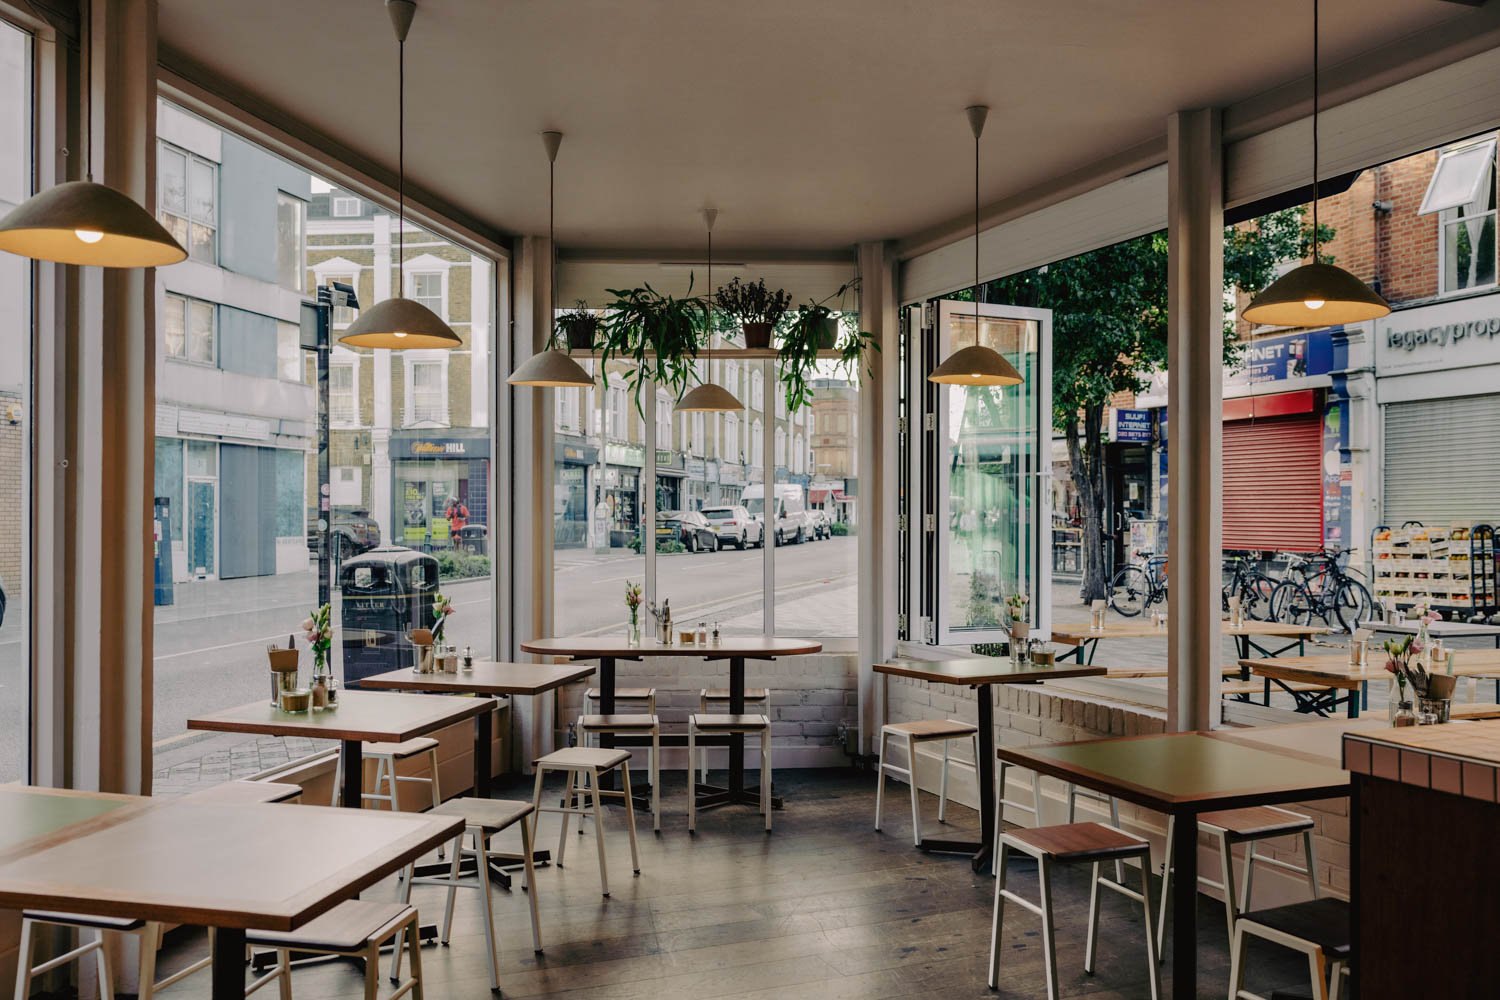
(1135, 589)
(1318, 586)
(1253, 588)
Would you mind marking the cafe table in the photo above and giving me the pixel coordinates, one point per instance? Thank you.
(223, 866)
(1085, 639)
(980, 673)
(364, 717)
(1335, 674)
(1183, 775)
(1444, 630)
(608, 650)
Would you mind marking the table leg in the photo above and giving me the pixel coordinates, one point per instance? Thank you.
(1354, 704)
(606, 707)
(736, 740)
(482, 768)
(354, 776)
(229, 962)
(1185, 906)
(985, 765)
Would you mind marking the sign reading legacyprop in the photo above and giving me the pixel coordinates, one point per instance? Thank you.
(1439, 337)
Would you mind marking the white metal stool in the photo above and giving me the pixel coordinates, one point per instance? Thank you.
(719, 699)
(1319, 928)
(584, 766)
(483, 818)
(1074, 794)
(355, 928)
(1074, 843)
(1243, 826)
(915, 734)
(633, 725)
(749, 725)
(385, 756)
(642, 696)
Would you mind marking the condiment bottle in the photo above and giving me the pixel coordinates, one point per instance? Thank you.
(703, 633)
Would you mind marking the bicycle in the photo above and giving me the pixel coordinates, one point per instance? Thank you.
(1134, 589)
(1253, 587)
(1318, 585)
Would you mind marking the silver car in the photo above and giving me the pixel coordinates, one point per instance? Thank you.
(735, 526)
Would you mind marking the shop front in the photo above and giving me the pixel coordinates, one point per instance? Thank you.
(439, 486)
(621, 496)
(574, 471)
(671, 470)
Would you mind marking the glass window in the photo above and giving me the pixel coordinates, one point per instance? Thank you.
(731, 437)
(427, 288)
(757, 389)
(189, 198)
(429, 397)
(698, 434)
(344, 207)
(780, 446)
(663, 420)
(1460, 178)
(188, 329)
(289, 241)
(1469, 237)
(289, 361)
(757, 445)
(174, 323)
(342, 315)
(343, 393)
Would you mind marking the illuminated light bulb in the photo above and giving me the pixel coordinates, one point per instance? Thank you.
(88, 235)
(1313, 303)
(975, 375)
(400, 335)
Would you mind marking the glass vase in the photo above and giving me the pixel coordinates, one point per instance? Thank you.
(635, 628)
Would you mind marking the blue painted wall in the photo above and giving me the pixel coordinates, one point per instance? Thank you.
(248, 181)
(247, 342)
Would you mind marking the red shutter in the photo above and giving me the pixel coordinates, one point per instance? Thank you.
(1273, 483)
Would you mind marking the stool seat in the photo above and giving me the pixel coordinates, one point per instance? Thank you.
(729, 721)
(626, 694)
(122, 924)
(1077, 841)
(932, 728)
(598, 758)
(723, 694)
(644, 723)
(1257, 822)
(347, 927)
(1323, 921)
(492, 815)
(246, 792)
(401, 751)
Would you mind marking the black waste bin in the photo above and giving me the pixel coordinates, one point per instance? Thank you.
(474, 538)
(386, 593)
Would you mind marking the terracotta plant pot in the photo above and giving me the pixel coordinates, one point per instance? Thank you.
(580, 340)
(828, 334)
(757, 335)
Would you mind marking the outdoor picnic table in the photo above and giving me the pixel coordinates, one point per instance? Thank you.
(1335, 674)
(1082, 637)
(1444, 630)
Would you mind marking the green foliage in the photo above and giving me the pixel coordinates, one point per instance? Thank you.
(840, 528)
(579, 323)
(815, 327)
(454, 565)
(670, 545)
(1253, 253)
(660, 333)
(752, 302)
(635, 544)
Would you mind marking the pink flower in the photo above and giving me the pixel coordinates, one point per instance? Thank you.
(311, 637)
(1390, 665)
(307, 625)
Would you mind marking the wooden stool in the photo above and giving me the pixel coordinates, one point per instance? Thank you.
(385, 756)
(1074, 843)
(1243, 826)
(635, 725)
(483, 818)
(1319, 928)
(355, 928)
(1074, 793)
(750, 725)
(720, 699)
(646, 696)
(585, 765)
(915, 734)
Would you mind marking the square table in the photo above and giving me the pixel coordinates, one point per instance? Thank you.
(1182, 775)
(229, 867)
(979, 673)
(1080, 636)
(364, 717)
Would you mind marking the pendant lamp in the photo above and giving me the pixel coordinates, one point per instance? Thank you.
(551, 368)
(709, 397)
(976, 364)
(81, 222)
(1315, 294)
(399, 323)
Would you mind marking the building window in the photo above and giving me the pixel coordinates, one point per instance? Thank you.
(289, 362)
(342, 315)
(427, 393)
(343, 393)
(663, 420)
(344, 207)
(188, 194)
(731, 438)
(757, 391)
(757, 445)
(189, 328)
(290, 244)
(732, 378)
(427, 288)
(1462, 192)
(698, 434)
(780, 399)
(567, 409)
(780, 447)
(799, 451)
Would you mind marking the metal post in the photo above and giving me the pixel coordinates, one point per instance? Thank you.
(325, 490)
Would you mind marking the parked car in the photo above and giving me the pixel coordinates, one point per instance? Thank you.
(688, 527)
(791, 520)
(351, 532)
(734, 526)
(822, 524)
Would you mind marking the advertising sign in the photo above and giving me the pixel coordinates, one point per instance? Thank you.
(1291, 355)
(1131, 425)
(1439, 337)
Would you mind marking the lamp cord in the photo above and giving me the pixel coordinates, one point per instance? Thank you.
(976, 239)
(88, 102)
(552, 252)
(1315, 134)
(401, 170)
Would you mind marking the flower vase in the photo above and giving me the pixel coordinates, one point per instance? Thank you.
(635, 628)
(1424, 640)
(1398, 696)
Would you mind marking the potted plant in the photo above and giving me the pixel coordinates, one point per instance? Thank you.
(814, 329)
(581, 326)
(659, 333)
(758, 309)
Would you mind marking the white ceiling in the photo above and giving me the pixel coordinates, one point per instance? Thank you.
(810, 124)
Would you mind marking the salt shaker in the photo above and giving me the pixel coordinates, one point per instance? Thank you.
(703, 633)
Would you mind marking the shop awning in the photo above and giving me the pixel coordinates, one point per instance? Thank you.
(818, 494)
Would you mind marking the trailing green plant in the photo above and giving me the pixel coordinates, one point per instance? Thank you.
(659, 333)
(752, 302)
(578, 325)
(809, 333)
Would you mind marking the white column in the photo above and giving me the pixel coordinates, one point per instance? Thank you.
(1195, 363)
(480, 291)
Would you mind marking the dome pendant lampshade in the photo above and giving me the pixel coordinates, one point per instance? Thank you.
(976, 364)
(84, 223)
(1315, 294)
(709, 397)
(552, 368)
(399, 323)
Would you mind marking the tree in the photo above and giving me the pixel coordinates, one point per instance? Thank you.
(1109, 334)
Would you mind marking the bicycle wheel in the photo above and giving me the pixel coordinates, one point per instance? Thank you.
(1129, 590)
(1255, 596)
(1352, 604)
(1291, 604)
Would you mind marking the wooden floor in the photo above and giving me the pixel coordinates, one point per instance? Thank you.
(823, 908)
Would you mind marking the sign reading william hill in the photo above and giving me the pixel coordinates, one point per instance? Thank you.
(445, 446)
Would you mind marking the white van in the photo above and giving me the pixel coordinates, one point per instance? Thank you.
(792, 521)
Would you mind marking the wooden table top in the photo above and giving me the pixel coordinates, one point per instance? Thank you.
(487, 677)
(984, 670)
(1445, 629)
(592, 646)
(28, 812)
(1077, 632)
(367, 716)
(1185, 772)
(272, 867)
(1336, 671)
(1475, 741)
(1132, 673)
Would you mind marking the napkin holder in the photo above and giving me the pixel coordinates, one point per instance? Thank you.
(421, 640)
(283, 672)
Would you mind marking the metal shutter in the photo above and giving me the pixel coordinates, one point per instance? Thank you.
(1442, 461)
(1273, 483)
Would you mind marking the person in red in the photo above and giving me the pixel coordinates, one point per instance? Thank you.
(457, 515)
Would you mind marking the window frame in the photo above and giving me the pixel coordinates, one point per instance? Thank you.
(411, 290)
(1448, 220)
(335, 200)
(299, 270)
(438, 360)
(187, 216)
(343, 358)
(188, 302)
